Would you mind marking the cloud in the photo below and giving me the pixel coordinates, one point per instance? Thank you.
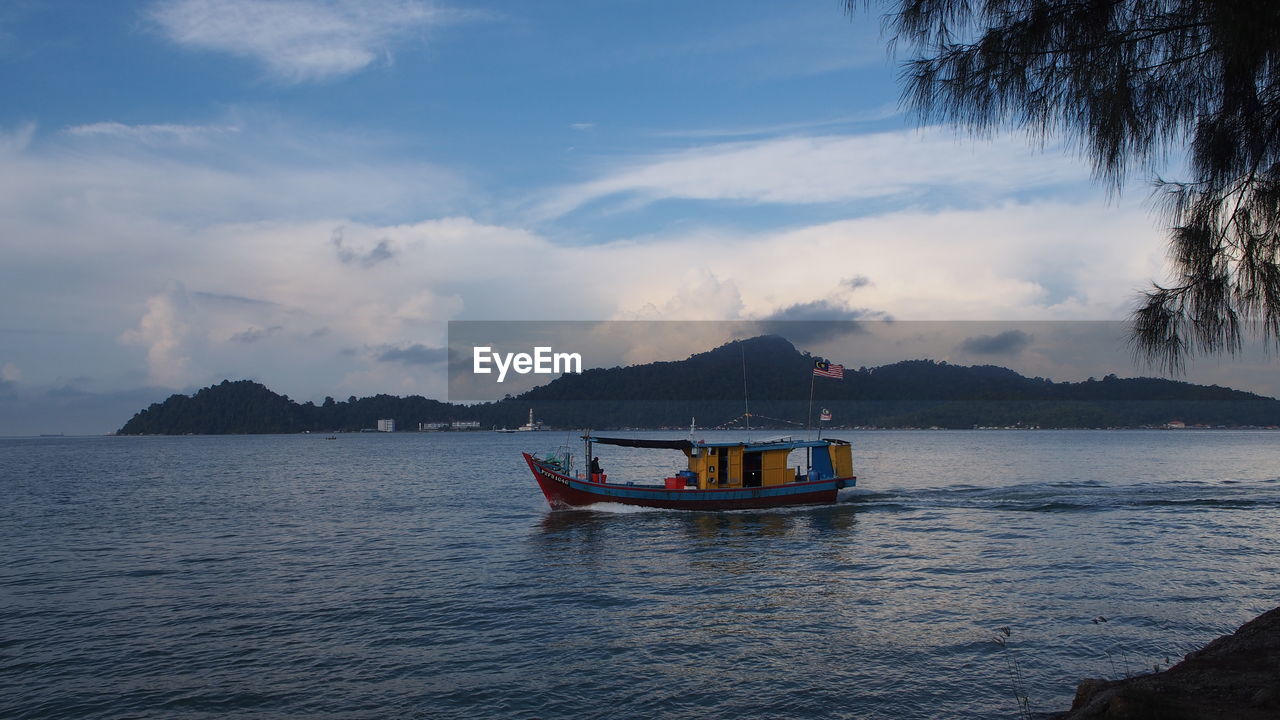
(229, 299)
(1009, 342)
(243, 224)
(883, 112)
(822, 310)
(17, 140)
(162, 331)
(9, 377)
(909, 166)
(297, 40)
(129, 224)
(699, 294)
(70, 410)
(417, 354)
(268, 169)
(818, 320)
(368, 258)
(150, 134)
(254, 334)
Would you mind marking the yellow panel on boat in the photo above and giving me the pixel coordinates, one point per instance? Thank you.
(777, 476)
(773, 466)
(698, 464)
(735, 467)
(842, 460)
(774, 459)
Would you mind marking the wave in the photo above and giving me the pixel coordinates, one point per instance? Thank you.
(1071, 497)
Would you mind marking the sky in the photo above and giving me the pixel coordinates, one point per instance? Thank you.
(304, 192)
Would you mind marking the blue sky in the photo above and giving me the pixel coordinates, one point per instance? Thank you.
(297, 191)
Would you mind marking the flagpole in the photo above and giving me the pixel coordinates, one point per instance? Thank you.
(746, 406)
(808, 419)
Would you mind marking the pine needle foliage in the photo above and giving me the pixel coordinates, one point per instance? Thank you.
(1134, 84)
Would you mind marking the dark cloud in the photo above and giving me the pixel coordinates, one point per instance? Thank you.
(415, 355)
(818, 321)
(381, 251)
(232, 299)
(822, 310)
(1009, 342)
(68, 391)
(855, 282)
(254, 334)
(8, 389)
(67, 409)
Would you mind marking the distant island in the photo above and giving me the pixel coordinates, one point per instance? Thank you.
(709, 386)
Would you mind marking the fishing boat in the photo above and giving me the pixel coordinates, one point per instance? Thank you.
(718, 476)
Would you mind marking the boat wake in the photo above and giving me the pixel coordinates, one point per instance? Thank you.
(620, 509)
(1067, 497)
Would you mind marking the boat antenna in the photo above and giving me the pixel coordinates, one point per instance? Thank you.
(808, 418)
(746, 406)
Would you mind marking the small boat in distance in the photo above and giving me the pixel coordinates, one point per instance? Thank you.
(719, 475)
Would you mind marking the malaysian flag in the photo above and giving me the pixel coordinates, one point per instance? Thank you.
(825, 416)
(822, 368)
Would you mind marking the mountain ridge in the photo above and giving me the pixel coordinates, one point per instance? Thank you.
(709, 385)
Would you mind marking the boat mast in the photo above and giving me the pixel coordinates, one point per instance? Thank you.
(808, 418)
(746, 406)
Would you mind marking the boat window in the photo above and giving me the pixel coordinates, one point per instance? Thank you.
(751, 468)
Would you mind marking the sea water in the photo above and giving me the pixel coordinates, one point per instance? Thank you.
(423, 576)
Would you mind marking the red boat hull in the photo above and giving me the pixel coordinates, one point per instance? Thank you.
(563, 491)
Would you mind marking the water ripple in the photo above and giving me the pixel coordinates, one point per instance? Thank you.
(282, 577)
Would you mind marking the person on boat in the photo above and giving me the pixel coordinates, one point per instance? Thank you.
(595, 469)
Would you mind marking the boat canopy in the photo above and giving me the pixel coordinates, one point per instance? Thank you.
(688, 445)
(638, 443)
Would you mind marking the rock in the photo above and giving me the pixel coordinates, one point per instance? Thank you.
(1088, 688)
(1235, 677)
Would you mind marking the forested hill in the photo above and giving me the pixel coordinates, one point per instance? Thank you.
(709, 386)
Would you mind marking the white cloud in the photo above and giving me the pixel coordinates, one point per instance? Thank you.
(240, 219)
(698, 295)
(883, 112)
(322, 318)
(251, 168)
(1014, 261)
(18, 140)
(163, 331)
(253, 243)
(151, 134)
(297, 40)
(830, 169)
